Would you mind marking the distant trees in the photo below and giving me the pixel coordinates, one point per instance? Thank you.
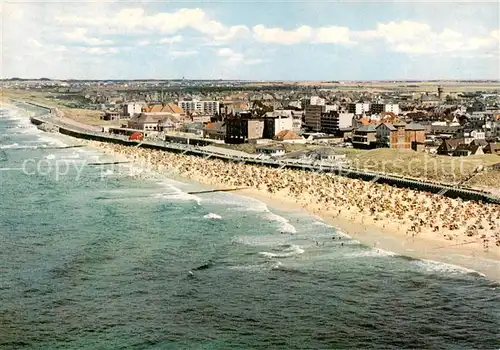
(463, 120)
(260, 108)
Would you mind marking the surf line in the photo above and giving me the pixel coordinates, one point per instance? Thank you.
(11, 169)
(456, 245)
(37, 147)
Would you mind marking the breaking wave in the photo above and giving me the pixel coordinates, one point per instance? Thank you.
(212, 216)
(291, 250)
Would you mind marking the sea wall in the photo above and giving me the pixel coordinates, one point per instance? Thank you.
(448, 191)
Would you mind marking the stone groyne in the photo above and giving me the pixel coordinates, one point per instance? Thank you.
(44, 109)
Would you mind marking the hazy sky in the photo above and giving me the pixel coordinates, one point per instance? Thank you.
(256, 40)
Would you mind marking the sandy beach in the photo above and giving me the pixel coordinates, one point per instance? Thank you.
(407, 222)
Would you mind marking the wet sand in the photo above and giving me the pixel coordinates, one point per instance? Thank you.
(411, 223)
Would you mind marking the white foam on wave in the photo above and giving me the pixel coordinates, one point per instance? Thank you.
(273, 265)
(239, 203)
(144, 172)
(337, 230)
(168, 181)
(242, 203)
(262, 241)
(278, 265)
(212, 216)
(11, 169)
(12, 145)
(18, 146)
(23, 123)
(26, 130)
(293, 250)
(250, 268)
(175, 193)
(321, 223)
(73, 155)
(443, 268)
(285, 226)
(52, 140)
(370, 253)
(50, 156)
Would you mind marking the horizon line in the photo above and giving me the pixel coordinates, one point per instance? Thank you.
(332, 81)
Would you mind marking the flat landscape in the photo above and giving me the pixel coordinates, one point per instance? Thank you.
(381, 86)
(85, 116)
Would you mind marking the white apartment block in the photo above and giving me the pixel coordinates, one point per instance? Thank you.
(132, 108)
(283, 123)
(394, 108)
(283, 120)
(329, 108)
(206, 107)
(359, 108)
(346, 120)
(317, 101)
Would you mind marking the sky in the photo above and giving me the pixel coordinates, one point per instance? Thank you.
(250, 40)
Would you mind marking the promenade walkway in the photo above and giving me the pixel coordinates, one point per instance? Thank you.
(89, 133)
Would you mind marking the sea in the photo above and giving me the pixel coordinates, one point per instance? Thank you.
(118, 257)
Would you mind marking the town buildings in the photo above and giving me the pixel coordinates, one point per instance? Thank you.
(154, 122)
(206, 107)
(111, 116)
(278, 124)
(312, 117)
(278, 121)
(158, 117)
(288, 136)
(399, 135)
(459, 148)
(132, 109)
(377, 108)
(215, 131)
(333, 122)
(359, 108)
(365, 137)
(271, 150)
(164, 109)
(317, 101)
(244, 128)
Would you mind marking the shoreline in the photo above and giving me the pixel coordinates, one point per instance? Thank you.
(360, 226)
(423, 248)
(486, 264)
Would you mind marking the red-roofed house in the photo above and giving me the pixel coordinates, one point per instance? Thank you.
(288, 136)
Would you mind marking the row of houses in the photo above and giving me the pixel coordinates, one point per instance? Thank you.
(463, 148)
(397, 134)
(246, 127)
(191, 107)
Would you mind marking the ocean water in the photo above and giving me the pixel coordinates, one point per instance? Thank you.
(109, 257)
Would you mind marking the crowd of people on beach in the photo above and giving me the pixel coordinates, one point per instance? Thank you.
(412, 212)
